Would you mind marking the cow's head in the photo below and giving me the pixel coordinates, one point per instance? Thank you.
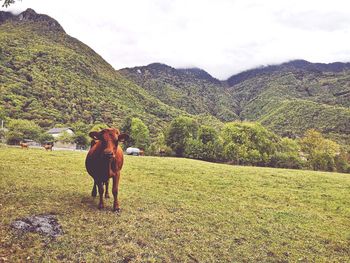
(109, 139)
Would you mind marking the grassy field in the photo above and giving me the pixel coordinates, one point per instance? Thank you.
(174, 210)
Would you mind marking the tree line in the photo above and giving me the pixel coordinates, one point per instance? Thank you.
(240, 143)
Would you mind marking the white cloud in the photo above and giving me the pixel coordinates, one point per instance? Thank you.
(221, 36)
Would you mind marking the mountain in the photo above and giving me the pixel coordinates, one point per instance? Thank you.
(52, 78)
(192, 90)
(289, 98)
(295, 96)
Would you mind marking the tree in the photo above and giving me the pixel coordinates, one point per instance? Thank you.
(126, 128)
(65, 137)
(139, 133)
(180, 130)
(210, 151)
(207, 146)
(248, 143)
(80, 126)
(81, 139)
(99, 126)
(287, 155)
(7, 3)
(320, 152)
(20, 130)
(45, 138)
(207, 134)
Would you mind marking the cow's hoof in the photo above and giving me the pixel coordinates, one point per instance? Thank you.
(101, 207)
(117, 210)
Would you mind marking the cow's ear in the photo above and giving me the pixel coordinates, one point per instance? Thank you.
(123, 137)
(95, 135)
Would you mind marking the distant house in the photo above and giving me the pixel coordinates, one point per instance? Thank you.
(57, 132)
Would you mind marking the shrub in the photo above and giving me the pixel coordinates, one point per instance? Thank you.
(286, 160)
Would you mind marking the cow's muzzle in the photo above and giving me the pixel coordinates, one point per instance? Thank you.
(108, 155)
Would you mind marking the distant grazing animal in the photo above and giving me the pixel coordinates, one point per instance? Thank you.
(161, 152)
(24, 145)
(105, 160)
(48, 147)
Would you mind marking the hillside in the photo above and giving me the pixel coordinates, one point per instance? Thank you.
(288, 98)
(50, 77)
(295, 96)
(192, 90)
(173, 210)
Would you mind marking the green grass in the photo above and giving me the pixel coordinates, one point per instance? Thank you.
(174, 210)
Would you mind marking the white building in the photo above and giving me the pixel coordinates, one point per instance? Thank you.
(56, 132)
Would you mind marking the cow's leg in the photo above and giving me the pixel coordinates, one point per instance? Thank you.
(100, 192)
(116, 177)
(107, 194)
(94, 190)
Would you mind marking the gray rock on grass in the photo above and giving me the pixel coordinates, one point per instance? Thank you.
(44, 224)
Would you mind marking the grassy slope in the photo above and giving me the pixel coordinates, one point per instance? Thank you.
(51, 78)
(175, 210)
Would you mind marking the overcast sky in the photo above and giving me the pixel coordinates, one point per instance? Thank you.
(223, 37)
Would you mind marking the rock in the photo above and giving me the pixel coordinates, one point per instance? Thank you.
(44, 224)
(30, 15)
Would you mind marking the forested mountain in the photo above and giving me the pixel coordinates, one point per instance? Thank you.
(51, 78)
(192, 90)
(295, 96)
(289, 98)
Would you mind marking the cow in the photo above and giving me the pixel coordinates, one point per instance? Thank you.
(105, 160)
(161, 152)
(24, 145)
(48, 147)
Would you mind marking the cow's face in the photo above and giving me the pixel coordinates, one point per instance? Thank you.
(109, 139)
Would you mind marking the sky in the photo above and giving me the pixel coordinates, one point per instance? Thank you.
(223, 37)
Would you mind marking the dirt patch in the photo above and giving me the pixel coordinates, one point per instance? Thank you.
(44, 224)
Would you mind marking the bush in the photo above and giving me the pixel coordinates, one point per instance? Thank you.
(286, 160)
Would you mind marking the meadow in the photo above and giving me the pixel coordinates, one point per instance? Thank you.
(173, 210)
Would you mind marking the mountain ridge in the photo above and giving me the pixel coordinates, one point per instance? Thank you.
(31, 16)
(51, 77)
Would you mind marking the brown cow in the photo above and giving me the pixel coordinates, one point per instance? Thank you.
(161, 152)
(24, 145)
(48, 147)
(105, 160)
